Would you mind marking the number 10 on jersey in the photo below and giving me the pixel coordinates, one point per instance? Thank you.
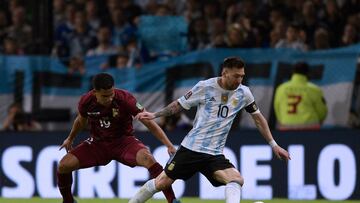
(223, 111)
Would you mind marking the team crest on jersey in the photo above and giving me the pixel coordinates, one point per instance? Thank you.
(235, 102)
(188, 95)
(115, 112)
(171, 166)
(224, 98)
(139, 106)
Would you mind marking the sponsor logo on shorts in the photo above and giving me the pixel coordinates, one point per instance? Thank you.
(171, 166)
(89, 140)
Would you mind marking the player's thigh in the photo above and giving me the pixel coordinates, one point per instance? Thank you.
(91, 153)
(228, 175)
(132, 152)
(184, 164)
(220, 171)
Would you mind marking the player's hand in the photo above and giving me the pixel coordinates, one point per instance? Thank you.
(171, 150)
(67, 144)
(281, 153)
(145, 115)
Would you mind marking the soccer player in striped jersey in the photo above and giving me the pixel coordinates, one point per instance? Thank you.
(218, 100)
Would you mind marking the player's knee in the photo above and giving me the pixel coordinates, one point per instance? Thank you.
(239, 180)
(67, 164)
(163, 182)
(160, 186)
(63, 166)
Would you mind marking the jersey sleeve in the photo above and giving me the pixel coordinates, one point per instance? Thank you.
(192, 97)
(250, 104)
(133, 106)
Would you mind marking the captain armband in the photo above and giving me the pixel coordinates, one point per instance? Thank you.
(251, 108)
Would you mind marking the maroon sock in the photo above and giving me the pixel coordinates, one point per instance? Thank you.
(64, 183)
(154, 171)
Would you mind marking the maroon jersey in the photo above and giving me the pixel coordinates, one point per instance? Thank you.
(112, 121)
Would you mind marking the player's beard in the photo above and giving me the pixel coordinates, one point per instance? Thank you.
(106, 103)
(234, 86)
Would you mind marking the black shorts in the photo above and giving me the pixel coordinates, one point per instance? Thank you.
(185, 163)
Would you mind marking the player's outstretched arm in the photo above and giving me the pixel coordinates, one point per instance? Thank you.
(264, 129)
(78, 125)
(169, 110)
(145, 115)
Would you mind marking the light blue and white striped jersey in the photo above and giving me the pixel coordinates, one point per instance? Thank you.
(216, 110)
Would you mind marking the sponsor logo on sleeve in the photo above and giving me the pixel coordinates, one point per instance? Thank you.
(188, 95)
(139, 106)
(171, 166)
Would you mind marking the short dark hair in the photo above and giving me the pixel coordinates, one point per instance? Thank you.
(301, 68)
(103, 81)
(233, 62)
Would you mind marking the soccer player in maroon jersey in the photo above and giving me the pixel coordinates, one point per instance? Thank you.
(109, 112)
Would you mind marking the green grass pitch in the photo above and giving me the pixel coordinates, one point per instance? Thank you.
(183, 200)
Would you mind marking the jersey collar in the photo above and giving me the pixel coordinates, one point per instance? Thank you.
(299, 77)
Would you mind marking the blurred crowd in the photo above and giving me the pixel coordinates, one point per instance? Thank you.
(96, 27)
(81, 28)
